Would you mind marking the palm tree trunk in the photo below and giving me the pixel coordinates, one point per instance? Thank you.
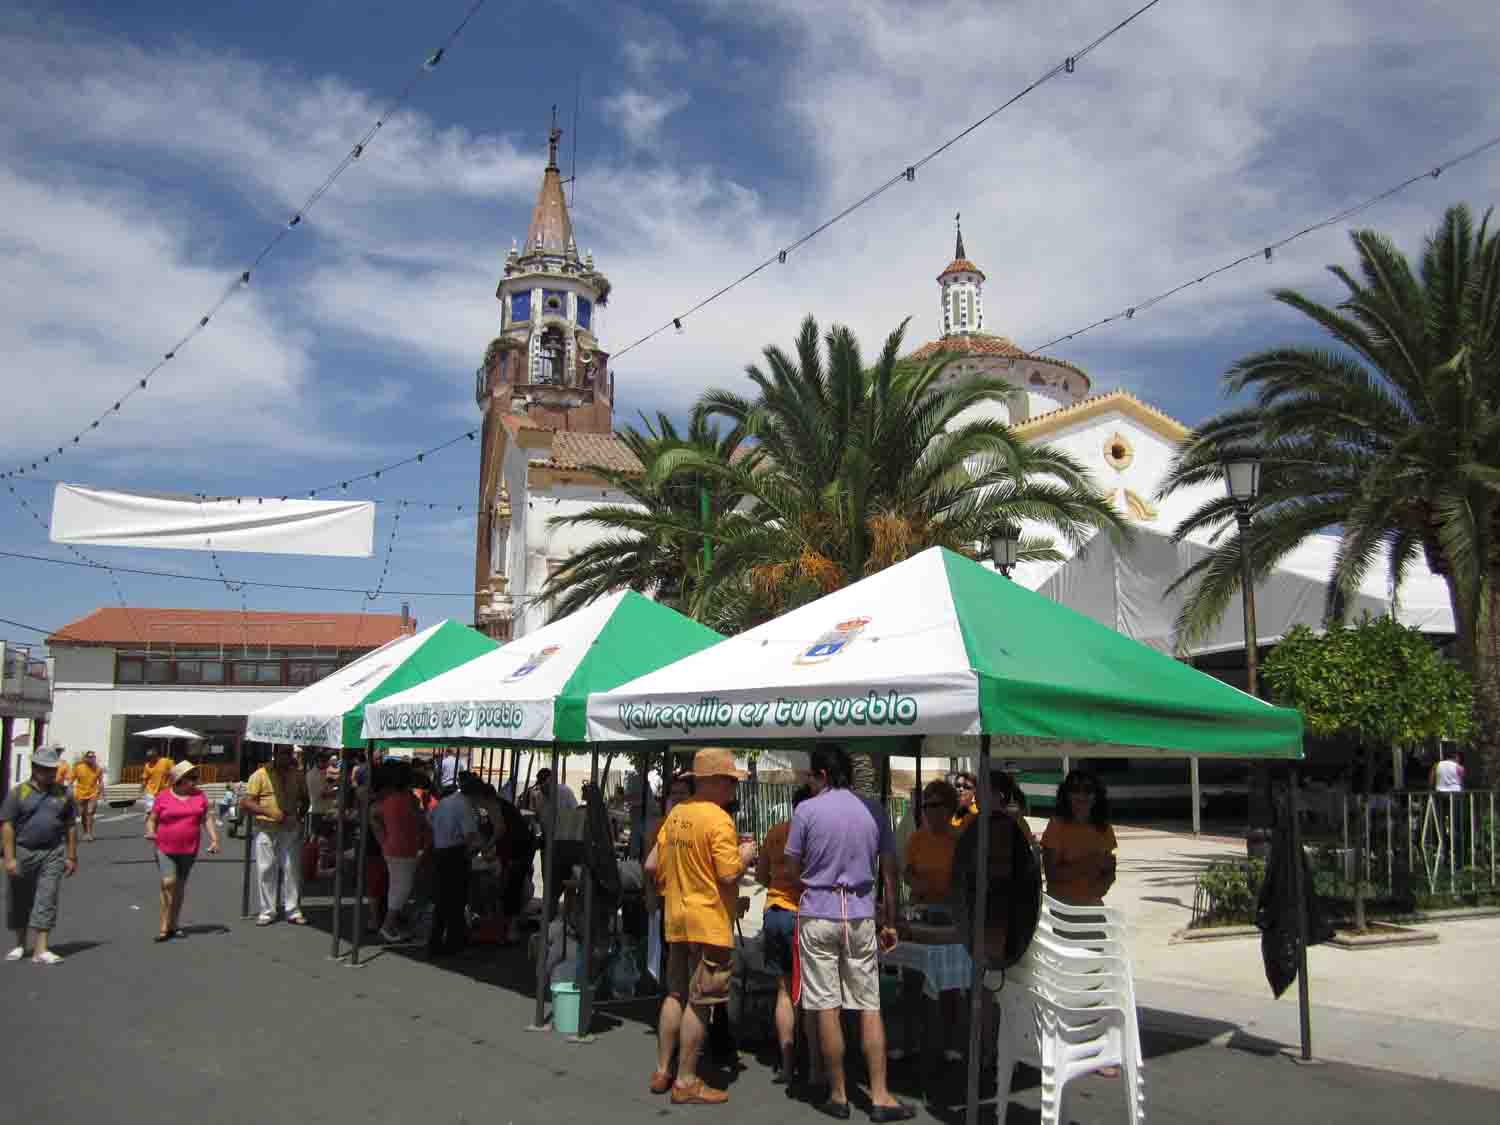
(1486, 672)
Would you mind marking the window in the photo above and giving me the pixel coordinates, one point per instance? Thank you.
(200, 672)
(520, 306)
(158, 671)
(130, 671)
(555, 301)
(585, 312)
(553, 354)
(259, 672)
(300, 673)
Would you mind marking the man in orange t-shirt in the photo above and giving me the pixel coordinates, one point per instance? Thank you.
(698, 864)
(88, 787)
(779, 936)
(155, 777)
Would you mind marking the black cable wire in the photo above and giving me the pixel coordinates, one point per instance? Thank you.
(91, 565)
(242, 279)
(1267, 252)
(29, 628)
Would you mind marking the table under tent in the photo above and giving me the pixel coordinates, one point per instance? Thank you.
(330, 715)
(533, 693)
(943, 648)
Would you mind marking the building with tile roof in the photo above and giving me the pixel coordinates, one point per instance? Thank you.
(118, 671)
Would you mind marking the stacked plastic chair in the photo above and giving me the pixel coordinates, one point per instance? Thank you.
(1068, 1007)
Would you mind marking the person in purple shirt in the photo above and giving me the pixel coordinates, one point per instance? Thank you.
(839, 847)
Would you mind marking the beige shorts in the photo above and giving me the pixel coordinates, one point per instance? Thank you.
(699, 972)
(838, 971)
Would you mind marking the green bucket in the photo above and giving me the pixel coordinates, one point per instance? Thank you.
(565, 1001)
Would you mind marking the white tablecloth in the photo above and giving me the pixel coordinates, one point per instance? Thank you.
(943, 967)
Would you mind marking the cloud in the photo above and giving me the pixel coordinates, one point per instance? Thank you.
(640, 114)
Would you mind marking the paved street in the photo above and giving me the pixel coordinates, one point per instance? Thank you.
(239, 1024)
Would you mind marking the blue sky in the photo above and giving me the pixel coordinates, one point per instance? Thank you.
(150, 148)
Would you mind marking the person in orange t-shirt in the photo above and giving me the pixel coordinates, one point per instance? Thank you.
(928, 864)
(88, 787)
(698, 865)
(155, 777)
(1078, 847)
(779, 938)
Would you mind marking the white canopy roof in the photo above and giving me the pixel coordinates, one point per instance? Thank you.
(1125, 588)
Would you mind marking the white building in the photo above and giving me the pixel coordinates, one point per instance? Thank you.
(120, 671)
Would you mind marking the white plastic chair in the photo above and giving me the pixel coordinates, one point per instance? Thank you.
(1078, 1040)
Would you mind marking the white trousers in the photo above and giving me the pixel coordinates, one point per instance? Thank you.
(403, 873)
(280, 849)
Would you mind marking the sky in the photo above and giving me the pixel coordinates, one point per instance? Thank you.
(150, 149)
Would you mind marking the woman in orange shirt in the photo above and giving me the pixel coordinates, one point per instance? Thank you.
(779, 934)
(928, 864)
(1078, 847)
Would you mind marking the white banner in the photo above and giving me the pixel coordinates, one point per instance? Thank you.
(98, 517)
(325, 731)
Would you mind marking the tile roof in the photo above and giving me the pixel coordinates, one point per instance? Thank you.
(961, 265)
(230, 628)
(978, 343)
(574, 450)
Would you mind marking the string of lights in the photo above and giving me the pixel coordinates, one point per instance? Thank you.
(906, 175)
(372, 596)
(241, 281)
(89, 564)
(1268, 251)
(405, 501)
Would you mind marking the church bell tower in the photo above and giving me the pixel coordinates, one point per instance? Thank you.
(545, 372)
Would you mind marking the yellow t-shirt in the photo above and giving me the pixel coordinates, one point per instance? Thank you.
(929, 860)
(158, 776)
(782, 890)
(699, 847)
(285, 793)
(86, 779)
(64, 773)
(960, 819)
(1074, 842)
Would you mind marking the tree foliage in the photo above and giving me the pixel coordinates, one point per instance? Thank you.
(1377, 683)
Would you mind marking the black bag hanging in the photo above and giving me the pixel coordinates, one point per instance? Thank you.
(1276, 910)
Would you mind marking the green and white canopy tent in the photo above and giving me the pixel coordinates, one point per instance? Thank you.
(535, 690)
(943, 647)
(331, 712)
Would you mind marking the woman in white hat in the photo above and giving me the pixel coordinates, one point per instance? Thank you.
(176, 823)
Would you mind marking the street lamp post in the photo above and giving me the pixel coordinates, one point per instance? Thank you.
(1242, 479)
(1005, 543)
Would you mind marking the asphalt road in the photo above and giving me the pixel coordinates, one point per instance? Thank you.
(239, 1024)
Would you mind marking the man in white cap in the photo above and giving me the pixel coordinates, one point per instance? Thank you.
(701, 861)
(39, 828)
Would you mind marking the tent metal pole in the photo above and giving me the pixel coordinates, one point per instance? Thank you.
(338, 852)
(916, 800)
(1197, 796)
(359, 872)
(594, 804)
(661, 906)
(549, 881)
(1304, 1002)
(981, 907)
(249, 824)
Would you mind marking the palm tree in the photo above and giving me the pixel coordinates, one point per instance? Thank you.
(862, 467)
(656, 536)
(1391, 441)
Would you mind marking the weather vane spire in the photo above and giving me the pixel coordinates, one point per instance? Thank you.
(958, 252)
(552, 138)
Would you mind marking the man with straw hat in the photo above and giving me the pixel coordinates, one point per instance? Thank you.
(39, 827)
(699, 861)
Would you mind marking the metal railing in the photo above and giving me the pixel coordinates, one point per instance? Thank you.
(1440, 844)
(765, 804)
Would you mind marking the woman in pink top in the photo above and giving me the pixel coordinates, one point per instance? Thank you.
(397, 821)
(176, 823)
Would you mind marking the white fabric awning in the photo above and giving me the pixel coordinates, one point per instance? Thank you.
(100, 517)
